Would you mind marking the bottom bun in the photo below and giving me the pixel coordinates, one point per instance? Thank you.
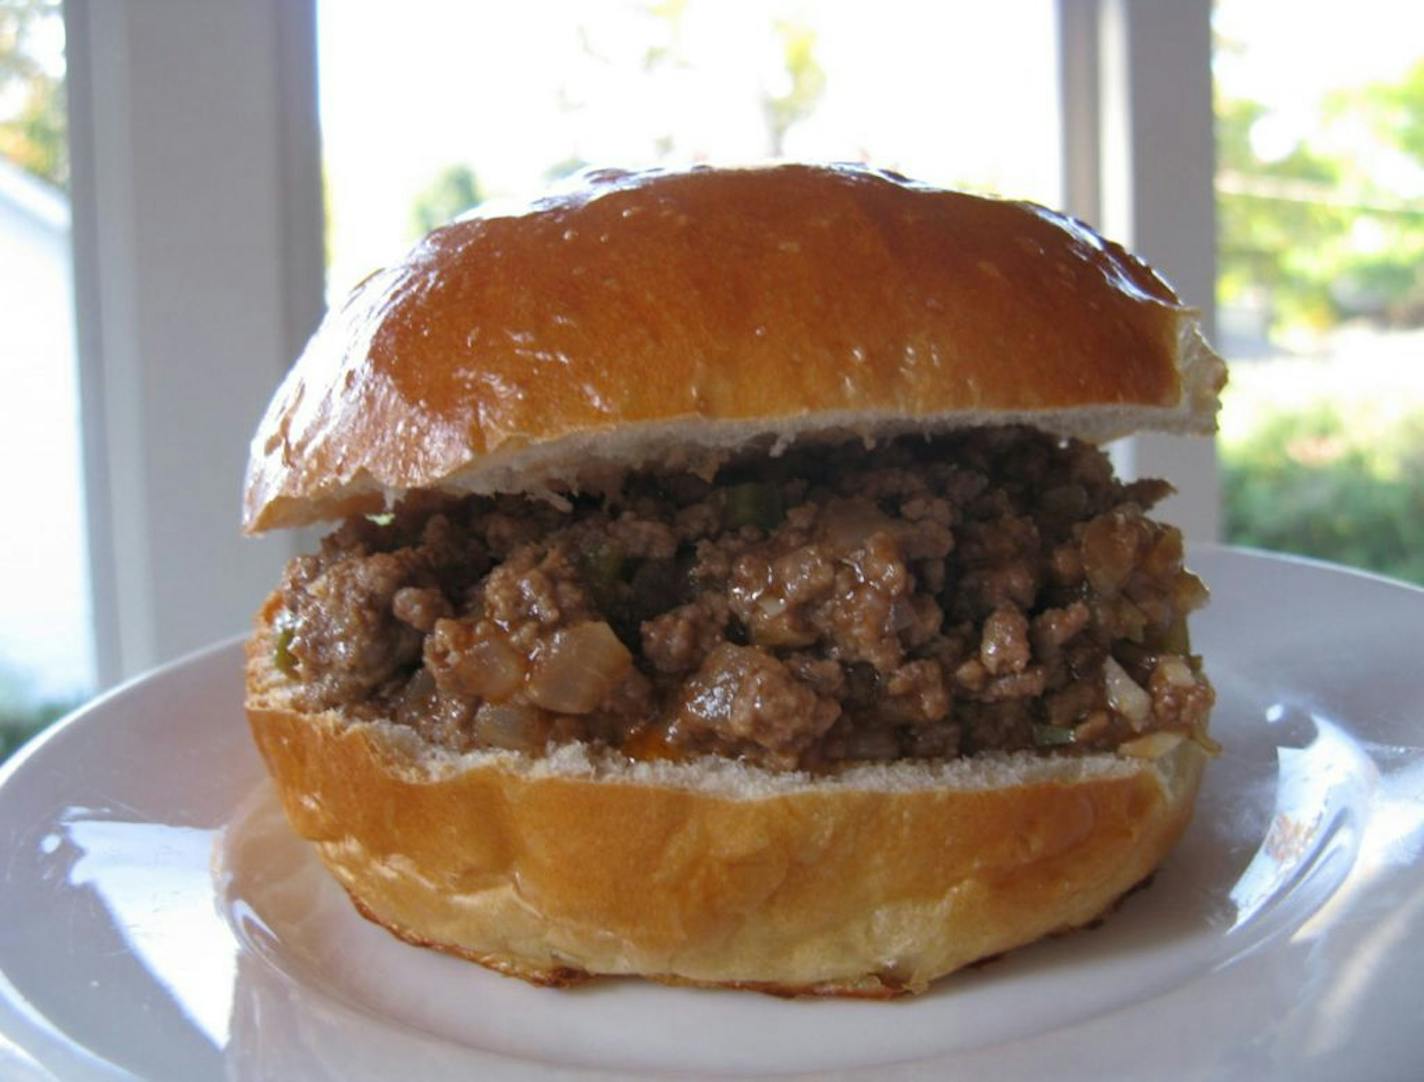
(869, 883)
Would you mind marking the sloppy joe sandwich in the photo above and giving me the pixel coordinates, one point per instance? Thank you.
(727, 585)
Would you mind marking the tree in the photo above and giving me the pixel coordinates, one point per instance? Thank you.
(32, 134)
(566, 168)
(453, 192)
(1269, 241)
(799, 91)
(1396, 111)
(1317, 227)
(806, 82)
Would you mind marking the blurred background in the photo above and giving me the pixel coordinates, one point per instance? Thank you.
(425, 109)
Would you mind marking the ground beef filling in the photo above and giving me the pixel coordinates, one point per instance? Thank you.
(996, 589)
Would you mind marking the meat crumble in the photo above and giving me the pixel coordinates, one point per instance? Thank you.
(992, 589)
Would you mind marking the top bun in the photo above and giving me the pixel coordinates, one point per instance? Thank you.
(671, 317)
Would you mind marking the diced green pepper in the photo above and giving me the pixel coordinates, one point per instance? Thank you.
(755, 503)
(603, 565)
(1176, 639)
(1052, 736)
(282, 655)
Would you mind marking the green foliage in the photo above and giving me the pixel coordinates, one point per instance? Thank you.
(566, 168)
(449, 195)
(1395, 110)
(18, 19)
(1285, 246)
(672, 15)
(1320, 483)
(12, 737)
(806, 82)
(1318, 229)
(33, 136)
(21, 714)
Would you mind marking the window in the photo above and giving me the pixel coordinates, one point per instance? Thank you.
(46, 653)
(424, 116)
(197, 194)
(1320, 195)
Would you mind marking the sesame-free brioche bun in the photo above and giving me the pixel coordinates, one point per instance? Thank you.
(871, 883)
(675, 316)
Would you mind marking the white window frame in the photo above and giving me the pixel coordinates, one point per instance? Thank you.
(198, 260)
(197, 214)
(1139, 157)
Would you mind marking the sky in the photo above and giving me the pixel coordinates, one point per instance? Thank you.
(1290, 55)
(1296, 49)
(955, 93)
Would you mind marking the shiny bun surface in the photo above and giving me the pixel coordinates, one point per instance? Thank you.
(639, 317)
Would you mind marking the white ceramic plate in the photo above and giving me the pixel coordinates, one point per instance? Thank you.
(158, 920)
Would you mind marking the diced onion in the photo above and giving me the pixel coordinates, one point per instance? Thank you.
(1125, 695)
(1206, 743)
(577, 668)
(491, 669)
(1151, 746)
(1189, 593)
(771, 605)
(1109, 549)
(516, 727)
(1176, 672)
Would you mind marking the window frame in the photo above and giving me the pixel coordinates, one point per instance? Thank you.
(170, 397)
(198, 262)
(1140, 163)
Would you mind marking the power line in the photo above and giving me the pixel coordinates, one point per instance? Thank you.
(1312, 192)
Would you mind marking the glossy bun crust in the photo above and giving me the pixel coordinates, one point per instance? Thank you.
(871, 884)
(674, 316)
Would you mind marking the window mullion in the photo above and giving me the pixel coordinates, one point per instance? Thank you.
(198, 272)
(1138, 164)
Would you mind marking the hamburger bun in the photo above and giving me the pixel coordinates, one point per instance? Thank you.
(869, 884)
(679, 319)
(656, 317)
